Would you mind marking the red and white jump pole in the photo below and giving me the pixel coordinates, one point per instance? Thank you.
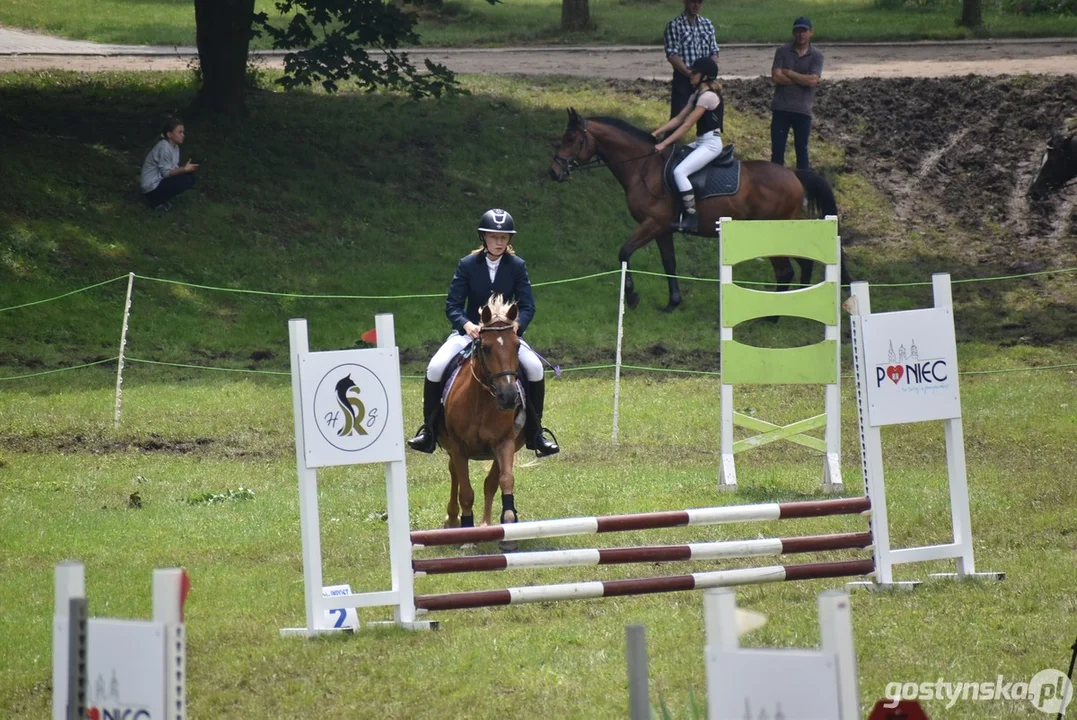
(643, 586)
(724, 550)
(642, 521)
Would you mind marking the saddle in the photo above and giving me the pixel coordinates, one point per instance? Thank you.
(721, 176)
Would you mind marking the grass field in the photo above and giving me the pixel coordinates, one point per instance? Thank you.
(353, 195)
(470, 23)
(67, 479)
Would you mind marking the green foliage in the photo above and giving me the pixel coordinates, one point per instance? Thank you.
(476, 23)
(334, 37)
(909, 4)
(214, 498)
(1041, 7)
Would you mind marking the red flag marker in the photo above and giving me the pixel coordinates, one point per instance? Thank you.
(905, 710)
(370, 336)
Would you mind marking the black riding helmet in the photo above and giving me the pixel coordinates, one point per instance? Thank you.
(498, 221)
(706, 67)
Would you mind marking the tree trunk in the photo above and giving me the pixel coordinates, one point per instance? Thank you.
(575, 16)
(223, 32)
(971, 14)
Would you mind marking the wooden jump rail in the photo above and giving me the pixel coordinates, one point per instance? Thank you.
(643, 586)
(661, 553)
(642, 521)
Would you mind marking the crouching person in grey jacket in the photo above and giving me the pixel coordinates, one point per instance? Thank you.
(162, 176)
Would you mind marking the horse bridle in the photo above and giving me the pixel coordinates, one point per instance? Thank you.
(573, 163)
(490, 376)
(596, 161)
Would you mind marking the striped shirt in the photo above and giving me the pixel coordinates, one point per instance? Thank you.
(690, 40)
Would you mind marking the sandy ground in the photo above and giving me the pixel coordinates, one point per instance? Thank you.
(843, 61)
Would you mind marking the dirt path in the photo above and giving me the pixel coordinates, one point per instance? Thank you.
(25, 51)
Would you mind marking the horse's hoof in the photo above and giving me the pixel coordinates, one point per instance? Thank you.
(508, 545)
(451, 522)
(671, 307)
(467, 546)
(632, 301)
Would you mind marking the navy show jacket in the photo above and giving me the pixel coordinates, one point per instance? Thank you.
(471, 288)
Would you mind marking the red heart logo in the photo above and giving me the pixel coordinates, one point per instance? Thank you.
(894, 372)
(93, 714)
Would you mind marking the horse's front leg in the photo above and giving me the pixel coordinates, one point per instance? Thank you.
(645, 232)
(466, 493)
(489, 489)
(505, 454)
(452, 511)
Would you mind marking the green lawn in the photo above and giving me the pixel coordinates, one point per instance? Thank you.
(468, 23)
(66, 479)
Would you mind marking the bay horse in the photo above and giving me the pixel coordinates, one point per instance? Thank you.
(1059, 165)
(484, 419)
(767, 192)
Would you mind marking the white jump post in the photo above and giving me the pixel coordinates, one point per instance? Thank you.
(775, 683)
(917, 383)
(123, 350)
(113, 668)
(617, 360)
(348, 410)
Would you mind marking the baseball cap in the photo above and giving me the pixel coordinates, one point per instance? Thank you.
(802, 22)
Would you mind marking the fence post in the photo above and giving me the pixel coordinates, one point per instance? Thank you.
(639, 702)
(123, 348)
(617, 361)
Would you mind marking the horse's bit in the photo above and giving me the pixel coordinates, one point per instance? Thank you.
(477, 350)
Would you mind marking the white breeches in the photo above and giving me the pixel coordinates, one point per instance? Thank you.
(529, 361)
(707, 148)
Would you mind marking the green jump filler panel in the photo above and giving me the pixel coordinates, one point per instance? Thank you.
(817, 364)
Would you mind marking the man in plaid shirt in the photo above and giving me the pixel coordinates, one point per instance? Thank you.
(688, 38)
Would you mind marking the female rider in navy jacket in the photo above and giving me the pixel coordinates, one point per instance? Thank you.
(493, 269)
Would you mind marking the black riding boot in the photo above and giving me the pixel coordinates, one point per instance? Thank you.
(427, 438)
(533, 430)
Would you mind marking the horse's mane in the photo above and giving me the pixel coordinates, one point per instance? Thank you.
(627, 127)
(499, 309)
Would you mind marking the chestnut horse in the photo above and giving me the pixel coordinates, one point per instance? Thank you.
(767, 192)
(483, 418)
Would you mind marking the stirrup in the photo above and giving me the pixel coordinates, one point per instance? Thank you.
(687, 223)
(540, 433)
(427, 444)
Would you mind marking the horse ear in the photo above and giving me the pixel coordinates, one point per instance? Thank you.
(485, 315)
(512, 313)
(573, 117)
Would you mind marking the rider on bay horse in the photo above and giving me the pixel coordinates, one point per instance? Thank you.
(493, 269)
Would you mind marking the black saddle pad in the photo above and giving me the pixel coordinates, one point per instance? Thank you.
(720, 177)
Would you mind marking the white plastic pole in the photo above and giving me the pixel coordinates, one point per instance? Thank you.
(123, 348)
(168, 595)
(617, 365)
(836, 631)
(396, 499)
(309, 523)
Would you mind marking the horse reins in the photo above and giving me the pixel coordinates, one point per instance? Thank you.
(568, 165)
(490, 376)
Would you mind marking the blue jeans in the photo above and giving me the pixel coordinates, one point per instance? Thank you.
(169, 188)
(780, 122)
